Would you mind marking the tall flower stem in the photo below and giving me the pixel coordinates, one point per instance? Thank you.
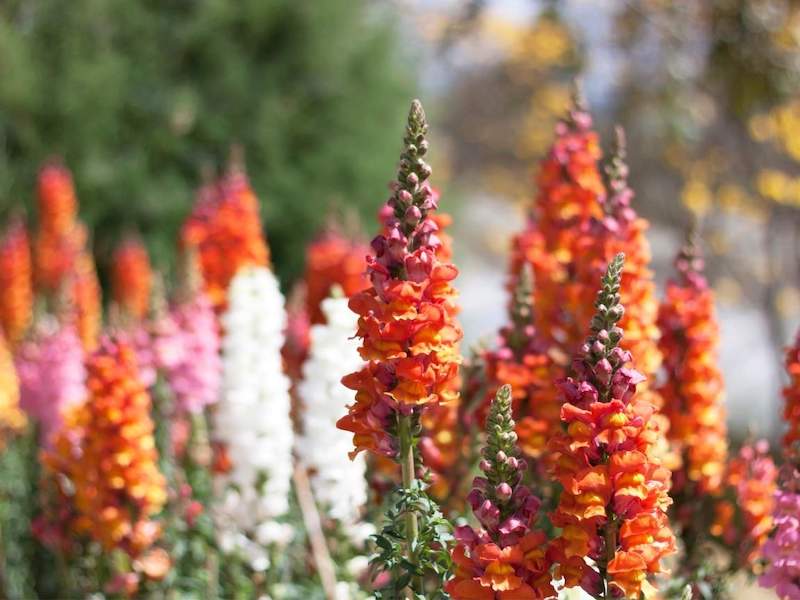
(408, 470)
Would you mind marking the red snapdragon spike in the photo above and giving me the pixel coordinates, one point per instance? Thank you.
(131, 278)
(407, 316)
(60, 237)
(225, 229)
(16, 282)
(613, 505)
(570, 194)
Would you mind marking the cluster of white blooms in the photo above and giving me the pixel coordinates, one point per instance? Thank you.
(338, 483)
(252, 420)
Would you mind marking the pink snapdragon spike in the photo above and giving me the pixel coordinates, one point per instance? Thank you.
(781, 552)
(51, 374)
(189, 354)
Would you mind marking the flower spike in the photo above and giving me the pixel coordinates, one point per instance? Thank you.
(612, 508)
(506, 557)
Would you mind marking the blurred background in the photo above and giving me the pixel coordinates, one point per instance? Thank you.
(144, 99)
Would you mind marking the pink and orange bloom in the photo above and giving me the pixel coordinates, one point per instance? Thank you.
(106, 450)
(693, 389)
(225, 230)
(506, 558)
(612, 508)
(407, 316)
(745, 520)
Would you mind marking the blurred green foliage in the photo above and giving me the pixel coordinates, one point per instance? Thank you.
(140, 97)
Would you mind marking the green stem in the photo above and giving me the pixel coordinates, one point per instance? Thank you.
(408, 471)
(611, 547)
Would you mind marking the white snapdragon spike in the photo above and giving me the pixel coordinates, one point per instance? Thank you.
(252, 420)
(338, 483)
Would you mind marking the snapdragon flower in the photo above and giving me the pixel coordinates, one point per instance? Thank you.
(252, 420)
(52, 376)
(338, 483)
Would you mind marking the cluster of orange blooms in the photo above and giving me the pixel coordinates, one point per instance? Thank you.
(225, 228)
(131, 278)
(693, 389)
(613, 504)
(746, 522)
(575, 230)
(63, 265)
(60, 236)
(16, 279)
(523, 361)
(107, 451)
(406, 318)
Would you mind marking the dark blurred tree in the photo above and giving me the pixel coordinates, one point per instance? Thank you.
(139, 97)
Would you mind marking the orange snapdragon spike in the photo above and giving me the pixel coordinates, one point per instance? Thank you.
(12, 419)
(575, 231)
(86, 300)
(60, 237)
(225, 228)
(16, 282)
(107, 452)
(570, 194)
(693, 390)
(407, 316)
(791, 397)
(131, 278)
(612, 508)
(332, 260)
(620, 229)
(522, 359)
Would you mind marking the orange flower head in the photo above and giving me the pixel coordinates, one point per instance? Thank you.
(693, 390)
(523, 360)
(507, 557)
(60, 237)
(16, 283)
(131, 278)
(107, 452)
(333, 260)
(225, 228)
(614, 497)
(407, 316)
(57, 202)
(570, 194)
